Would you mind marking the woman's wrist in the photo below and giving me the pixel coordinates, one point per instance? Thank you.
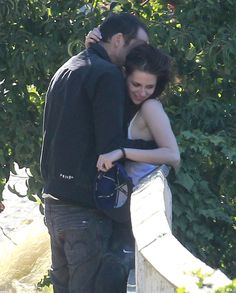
(123, 152)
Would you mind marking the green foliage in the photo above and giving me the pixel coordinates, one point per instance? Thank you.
(37, 36)
(44, 282)
(201, 38)
(201, 283)
(204, 284)
(231, 288)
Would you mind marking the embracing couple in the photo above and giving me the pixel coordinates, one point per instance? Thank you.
(102, 105)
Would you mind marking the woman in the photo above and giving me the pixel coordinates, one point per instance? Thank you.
(147, 72)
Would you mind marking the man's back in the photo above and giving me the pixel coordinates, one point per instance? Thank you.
(83, 92)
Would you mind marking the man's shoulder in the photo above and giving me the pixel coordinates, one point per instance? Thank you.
(103, 65)
(100, 60)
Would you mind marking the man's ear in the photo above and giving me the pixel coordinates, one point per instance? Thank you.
(118, 40)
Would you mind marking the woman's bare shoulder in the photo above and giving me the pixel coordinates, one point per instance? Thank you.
(151, 106)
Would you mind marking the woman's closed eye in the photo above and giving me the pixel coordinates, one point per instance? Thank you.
(137, 85)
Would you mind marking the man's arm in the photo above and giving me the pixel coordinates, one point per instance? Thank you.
(108, 108)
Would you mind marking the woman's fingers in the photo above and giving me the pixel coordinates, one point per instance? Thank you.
(104, 164)
(100, 164)
(108, 165)
(96, 34)
(92, 37)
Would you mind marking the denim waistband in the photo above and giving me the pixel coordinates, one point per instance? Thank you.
(63, 206)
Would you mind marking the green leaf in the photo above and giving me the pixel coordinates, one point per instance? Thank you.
(191, 52)
(185, 180)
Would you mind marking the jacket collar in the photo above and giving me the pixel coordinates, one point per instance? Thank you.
(99, 50)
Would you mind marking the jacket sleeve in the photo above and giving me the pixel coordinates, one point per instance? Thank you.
(108, 113)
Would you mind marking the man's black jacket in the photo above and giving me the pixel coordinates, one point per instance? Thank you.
(84, 117)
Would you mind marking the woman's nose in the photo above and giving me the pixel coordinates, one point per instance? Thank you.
(143, 92)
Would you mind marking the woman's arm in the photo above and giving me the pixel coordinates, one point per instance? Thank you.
(159, 125)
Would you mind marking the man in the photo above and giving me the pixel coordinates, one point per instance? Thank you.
(83, 118)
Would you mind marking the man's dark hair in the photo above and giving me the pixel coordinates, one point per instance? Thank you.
(148, 59)
(124, 23)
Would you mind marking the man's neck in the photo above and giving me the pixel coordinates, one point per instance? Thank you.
(108, 49)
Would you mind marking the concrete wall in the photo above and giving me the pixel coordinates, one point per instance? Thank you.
(163, 264)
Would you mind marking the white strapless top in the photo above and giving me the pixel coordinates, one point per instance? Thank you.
(136, 170)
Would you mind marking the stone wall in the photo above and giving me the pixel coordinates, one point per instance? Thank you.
(163, 264)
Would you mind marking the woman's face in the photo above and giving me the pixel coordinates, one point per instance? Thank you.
(141, 85)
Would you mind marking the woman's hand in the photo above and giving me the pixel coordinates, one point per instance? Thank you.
(93, 37)
(105, 161)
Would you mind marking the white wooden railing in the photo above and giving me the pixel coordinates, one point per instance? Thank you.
(163, 264)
